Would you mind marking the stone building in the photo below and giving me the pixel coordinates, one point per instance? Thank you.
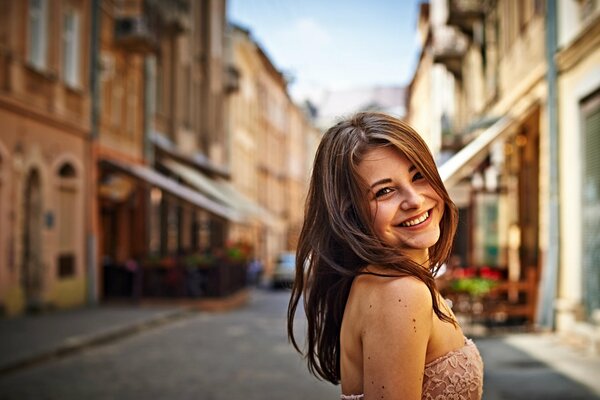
(488, 92)
(164, 190)
(272, 142)
(577, 55)
(522, 132)
(45, 157)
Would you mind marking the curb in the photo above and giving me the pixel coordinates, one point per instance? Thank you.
(73, 345)
(77, 344)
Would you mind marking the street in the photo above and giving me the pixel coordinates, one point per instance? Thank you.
(241, 354)
(236, 355)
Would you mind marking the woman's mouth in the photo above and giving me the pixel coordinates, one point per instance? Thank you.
(416, 220)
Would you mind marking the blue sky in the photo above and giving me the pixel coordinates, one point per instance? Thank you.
(334, 44)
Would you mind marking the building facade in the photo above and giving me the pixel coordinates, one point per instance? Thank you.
(135, 136)
(44, 154)
(176, 201)
(523, 138)
(119, 206)
(272, 141)
(244, 124)
(485, 77)
(578, 86)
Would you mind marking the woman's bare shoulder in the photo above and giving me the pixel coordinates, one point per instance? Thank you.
(404, 291)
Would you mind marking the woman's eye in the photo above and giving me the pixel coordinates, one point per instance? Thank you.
(418, 176)
(383, 192)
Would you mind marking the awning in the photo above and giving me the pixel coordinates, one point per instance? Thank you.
(224, 192)
(196, 179)
(171, 186)
(466, 160)
(197, 160)
(251, 208)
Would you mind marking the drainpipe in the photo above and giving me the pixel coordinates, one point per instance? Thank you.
(546, 309)
(149, 107)
(149, 110)
(91, 237)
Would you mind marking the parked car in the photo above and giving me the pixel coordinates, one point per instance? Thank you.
(285, 270)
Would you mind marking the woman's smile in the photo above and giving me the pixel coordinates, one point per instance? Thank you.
(417, 222)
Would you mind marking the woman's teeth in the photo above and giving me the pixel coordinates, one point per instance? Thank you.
(416, 220)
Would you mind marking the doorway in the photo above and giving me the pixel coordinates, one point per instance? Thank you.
(32, 273)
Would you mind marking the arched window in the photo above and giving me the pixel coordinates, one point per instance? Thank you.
(67, 171)
(67, 220)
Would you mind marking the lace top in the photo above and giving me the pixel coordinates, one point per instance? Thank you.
(455, 375)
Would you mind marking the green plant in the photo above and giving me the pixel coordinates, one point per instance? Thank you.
(474, 286)
(238, 251)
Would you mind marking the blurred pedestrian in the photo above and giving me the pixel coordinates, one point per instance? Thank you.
(255, 271)
(378, 224)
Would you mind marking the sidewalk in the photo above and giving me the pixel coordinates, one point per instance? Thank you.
(542, 366)
(30, 339)
(564, 358)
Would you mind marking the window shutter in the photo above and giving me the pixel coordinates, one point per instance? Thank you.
(591, 204)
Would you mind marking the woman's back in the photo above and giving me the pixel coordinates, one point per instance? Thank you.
(389, 334)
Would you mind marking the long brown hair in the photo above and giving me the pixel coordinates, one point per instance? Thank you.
(337, 239)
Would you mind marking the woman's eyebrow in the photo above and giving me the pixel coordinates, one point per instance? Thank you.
(380, 182)
(388, 180)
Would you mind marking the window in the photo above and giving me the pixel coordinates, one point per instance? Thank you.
(159, 86)
(71, 63)
(131, 104)
(186, 101)
(117, 95)
(38, 33)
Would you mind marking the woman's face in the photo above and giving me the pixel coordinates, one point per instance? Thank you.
(405, 210)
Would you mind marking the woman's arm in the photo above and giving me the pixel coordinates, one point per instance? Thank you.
(397, 328)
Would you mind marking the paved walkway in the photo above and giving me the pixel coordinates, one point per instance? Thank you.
(518, 366)
(531, 366)
(30, 339)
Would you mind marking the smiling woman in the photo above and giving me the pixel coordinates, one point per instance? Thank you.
(378, 224)
(405, 209)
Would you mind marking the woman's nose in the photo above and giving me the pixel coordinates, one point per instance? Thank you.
(412, 199)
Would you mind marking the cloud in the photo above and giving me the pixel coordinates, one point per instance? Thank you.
(317, 56)
(301, 44)
(307, 32)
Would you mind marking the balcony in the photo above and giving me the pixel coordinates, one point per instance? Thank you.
(134, 33)
(449, 48)
(174, 15)
(464, 13)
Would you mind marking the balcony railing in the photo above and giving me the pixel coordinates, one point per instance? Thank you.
(173, 14)
(449, 48)
(135, 34)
